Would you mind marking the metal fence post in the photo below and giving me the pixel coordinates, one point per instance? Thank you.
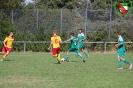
(110, 23)
(37, 18)
(24, 47)
(85, 20)
(60, 21)
(105, 47)
(12, 16)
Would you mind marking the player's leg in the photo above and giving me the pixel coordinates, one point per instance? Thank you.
(85, 53)
(58, 52)
(5, 55)
(119, 55)
(3, 50)
(55, 54)
(8, 50)
(78, 47)
(81, 47)
(58, 56)
(67, 56)
(119, 63)
(125, 60)
(77, 51)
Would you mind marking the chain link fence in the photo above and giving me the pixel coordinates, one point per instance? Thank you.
(67, 20)
(40, 22)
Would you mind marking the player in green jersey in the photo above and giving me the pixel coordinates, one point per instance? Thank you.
(81, 38)
(121, 52)
(73, 47)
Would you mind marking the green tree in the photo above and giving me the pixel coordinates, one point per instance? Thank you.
(57, 4)
(5, 28)
(11, 4)
(104, 4)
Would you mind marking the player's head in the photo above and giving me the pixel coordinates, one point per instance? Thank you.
(118, 33)
(80, 30)
(11, 34)
(54, 33)
(72, 34)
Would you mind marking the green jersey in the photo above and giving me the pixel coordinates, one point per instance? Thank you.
(81, 37)
(73, 42)
(122, 46)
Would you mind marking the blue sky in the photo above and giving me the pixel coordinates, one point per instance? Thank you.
(28, 1)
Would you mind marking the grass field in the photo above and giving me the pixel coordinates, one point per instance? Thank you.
(39, 70)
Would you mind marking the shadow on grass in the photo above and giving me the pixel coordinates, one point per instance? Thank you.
(8, 60)
(68, 62)
(74, 61)
(57, 63)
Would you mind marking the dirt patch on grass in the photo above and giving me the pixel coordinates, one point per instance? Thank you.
(20, 80)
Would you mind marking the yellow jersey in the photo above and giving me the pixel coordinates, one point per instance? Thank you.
(9, 41)
(56, 41)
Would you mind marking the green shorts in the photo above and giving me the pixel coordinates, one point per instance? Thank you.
(80, 45)
(73, 49)
(121, 53)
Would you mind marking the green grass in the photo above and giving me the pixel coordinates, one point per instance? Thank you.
(39, 70)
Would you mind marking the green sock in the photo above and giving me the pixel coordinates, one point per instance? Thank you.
(58, 59)
(126, 61)
(86, 54)
(82, 57)
(59, 56)
(76, 53)
(66, 57)
(120, 63)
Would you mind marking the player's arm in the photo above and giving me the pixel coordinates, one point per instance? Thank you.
(60, 41)
(4, 42)
(83, 38)
(67, 40)
(50, 45)
(121, 43)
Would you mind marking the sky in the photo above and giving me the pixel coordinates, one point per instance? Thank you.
(28, 1)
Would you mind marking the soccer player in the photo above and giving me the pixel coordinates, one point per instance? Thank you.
(81, 38)
(121, 52)
(73, 47)
(55, 44)
(7, 46)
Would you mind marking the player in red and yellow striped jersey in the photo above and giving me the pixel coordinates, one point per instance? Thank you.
(55, 44)
(8, 42)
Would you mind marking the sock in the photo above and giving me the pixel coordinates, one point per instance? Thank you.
(86, 54)
(59, 56)
(66, 57)
(4, 56)
(58, 60)
(76, 54)
(120, 63)
(127, 62)
(82, 57)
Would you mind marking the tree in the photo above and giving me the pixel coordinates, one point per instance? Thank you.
(57, 4)
(5, 28)
(11, 4)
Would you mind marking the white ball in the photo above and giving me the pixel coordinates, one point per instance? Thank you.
(62, 59)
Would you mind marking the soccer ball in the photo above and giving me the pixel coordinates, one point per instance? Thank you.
(62, 59)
